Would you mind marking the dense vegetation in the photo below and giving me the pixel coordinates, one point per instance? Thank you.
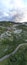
(11, 35)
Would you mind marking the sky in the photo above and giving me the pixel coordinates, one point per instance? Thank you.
(15, 10)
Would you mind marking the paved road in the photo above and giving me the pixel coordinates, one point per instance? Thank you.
(6, 56)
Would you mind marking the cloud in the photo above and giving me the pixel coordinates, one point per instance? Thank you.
(22, 17)
(5, 14)
(13, 10)
(10, 4)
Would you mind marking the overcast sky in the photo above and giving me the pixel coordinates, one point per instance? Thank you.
(10, 7)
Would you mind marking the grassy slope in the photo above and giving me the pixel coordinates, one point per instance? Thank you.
(10, 43)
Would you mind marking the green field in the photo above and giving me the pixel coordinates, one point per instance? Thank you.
(11, 36)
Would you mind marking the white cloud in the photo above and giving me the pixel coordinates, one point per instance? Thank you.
(18, 3)
(21, 17)
(24, 19)
(10, 4)
(5, 14)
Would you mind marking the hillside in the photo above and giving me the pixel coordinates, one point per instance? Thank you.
(13, 43)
